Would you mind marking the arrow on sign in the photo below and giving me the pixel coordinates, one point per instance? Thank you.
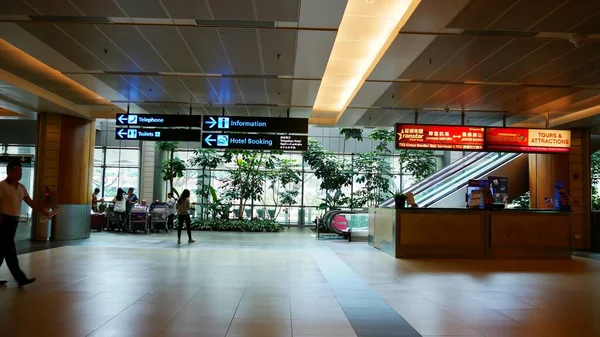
(211, 123)
(122, 133)
(122, 119)
(209, 140)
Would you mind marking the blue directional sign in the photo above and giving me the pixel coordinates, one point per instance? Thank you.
(171, 135)
(254, 141)
(159, 121)
(255, 124)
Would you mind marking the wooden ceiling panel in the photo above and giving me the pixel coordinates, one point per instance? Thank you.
(485, 96)
(477, 51)
(125, 87)
(253, 90)
(207, 49)
(279, 91)
(525, 14)
(17, 8)
(570, 15)
(135, 46)
(278, 51)
(448, 94)
(502, 59)
(187, 9)
(227, 90)
(55, 7)
(143, 8)
(172, 48)
(547, 53)
(577, 57)
(591, 26)
(58, 41)
(419, 96)
(232, 9)
(478, 14)
(434, 57)
(174, 87)
(96, 42)
(544, 98)
(241, 46)
(106, 8)
(201, 89)
(278, 10)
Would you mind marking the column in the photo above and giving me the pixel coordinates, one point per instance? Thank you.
(64, 163)
(574, 171)
(147, 175)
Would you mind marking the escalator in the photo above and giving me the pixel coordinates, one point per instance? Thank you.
(447, 187)
(352, 225)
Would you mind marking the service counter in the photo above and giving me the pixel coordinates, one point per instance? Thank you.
(464, 233)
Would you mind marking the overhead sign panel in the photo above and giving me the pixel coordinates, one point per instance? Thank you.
(254, 142)
(255, 124)
(168, 135)
(528, 140)
(159, 121)
(439, 137)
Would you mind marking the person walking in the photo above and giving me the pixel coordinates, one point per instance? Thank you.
(12, 193)
(120, 210)
(183, 215)
(171, 203)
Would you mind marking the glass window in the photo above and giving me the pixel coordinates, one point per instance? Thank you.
(121, 169)
(98, 157)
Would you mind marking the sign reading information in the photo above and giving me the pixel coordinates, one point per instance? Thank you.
(255, 124)
(439, 137)
(254, 142)
(528, 140)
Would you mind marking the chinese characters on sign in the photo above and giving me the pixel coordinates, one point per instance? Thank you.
(439, 137)
(528, 140)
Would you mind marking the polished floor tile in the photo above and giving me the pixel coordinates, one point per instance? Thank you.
(288, 284)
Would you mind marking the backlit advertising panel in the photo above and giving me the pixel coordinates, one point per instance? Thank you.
(439, 137)
(527, 140)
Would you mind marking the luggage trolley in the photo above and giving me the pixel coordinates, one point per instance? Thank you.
(158, 218)
(138, 219)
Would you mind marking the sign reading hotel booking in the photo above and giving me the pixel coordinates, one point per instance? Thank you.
(467, 138)
(528, 140)
(439, 137)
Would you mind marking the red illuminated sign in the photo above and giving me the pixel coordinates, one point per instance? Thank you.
(527, 140)
(439, 137)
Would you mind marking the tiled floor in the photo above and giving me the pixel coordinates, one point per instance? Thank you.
(288, 284)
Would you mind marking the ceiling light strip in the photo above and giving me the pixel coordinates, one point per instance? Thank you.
(366, 31)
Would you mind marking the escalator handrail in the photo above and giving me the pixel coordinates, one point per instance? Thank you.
(442, 174)
(448, 172)
(331, 215)
(510, 157)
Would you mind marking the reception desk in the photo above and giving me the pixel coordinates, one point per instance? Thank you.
(464, 233)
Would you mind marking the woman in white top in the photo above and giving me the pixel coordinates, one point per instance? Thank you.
(183, 215)
(120, 209)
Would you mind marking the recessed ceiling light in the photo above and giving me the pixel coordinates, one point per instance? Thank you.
(367, 30)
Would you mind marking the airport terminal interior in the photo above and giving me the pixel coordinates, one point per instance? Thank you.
(334, 168)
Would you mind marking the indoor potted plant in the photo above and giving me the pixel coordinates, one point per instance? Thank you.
(400, 199)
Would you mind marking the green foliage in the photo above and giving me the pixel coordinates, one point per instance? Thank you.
(375, 173)
(173, 167)
(284, 179)
(521, 202)
(236, 225)
(349, 133)
(248, 175)
(384, 138)
(167, 146)
(419, 163)
(207, 160)
(333, 173)
(334, 202)
(218, 208)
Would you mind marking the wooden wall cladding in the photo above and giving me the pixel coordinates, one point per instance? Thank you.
(529, 230)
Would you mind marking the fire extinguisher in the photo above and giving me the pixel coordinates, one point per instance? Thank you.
(46, 200)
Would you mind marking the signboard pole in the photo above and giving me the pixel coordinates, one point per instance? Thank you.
(547, 119)
(462, 116)
(416, 116)
(503, 120)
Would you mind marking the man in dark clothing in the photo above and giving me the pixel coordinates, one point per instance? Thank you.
(12, 193)
(132, 199)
